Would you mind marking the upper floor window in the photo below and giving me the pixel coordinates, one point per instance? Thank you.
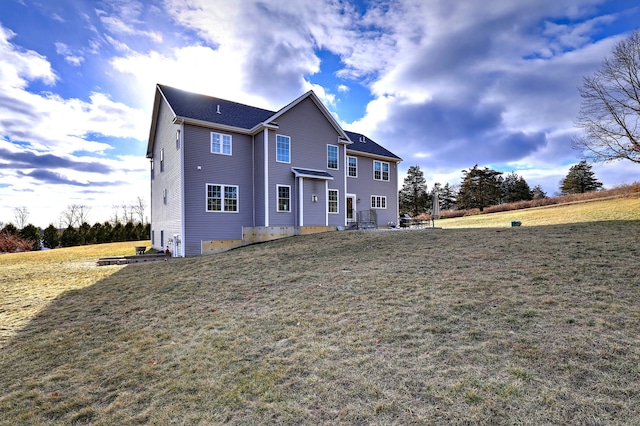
(162, 160)
(178, 139)
(221, 143)
(380, 170)
(284, 198)
(222, 198)
(332, 156)
(283, 149)
(333, 201)
(378, 202)
(352, 166)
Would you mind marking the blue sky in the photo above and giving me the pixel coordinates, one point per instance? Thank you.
(442, 84)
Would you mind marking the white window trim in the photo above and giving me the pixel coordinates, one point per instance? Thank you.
(280, 161)
(379, 202)
(337, 201)
(278, 199)
(222, 187)
(222, 135)
(349, 167)
(382, 179)
(337, 157)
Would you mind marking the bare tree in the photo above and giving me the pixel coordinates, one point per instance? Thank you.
(74, 215)
(21, 214)
(610, 111)
(138, 208)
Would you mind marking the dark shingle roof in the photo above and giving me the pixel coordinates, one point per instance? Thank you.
(363, 144)
(205, 108)
(202, 107)
(307, 172)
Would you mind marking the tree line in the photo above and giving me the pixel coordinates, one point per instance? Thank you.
(74, 229)
(484, 187)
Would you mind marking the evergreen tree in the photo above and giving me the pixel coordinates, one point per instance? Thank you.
(413, 195)
(537, 193)
(69, 237)
(448, 197)
(33, 234)
(51, 237)
(515, 188)
(480, 188)
(579, 180)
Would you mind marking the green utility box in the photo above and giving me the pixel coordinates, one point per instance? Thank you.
(516, 223)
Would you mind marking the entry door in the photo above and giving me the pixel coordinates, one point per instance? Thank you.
(350, 207)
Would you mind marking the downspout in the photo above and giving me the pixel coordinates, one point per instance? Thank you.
(346, 168)
(301, 201)
(182, 207)
(253, 176)
(266, 176)
(326, 204)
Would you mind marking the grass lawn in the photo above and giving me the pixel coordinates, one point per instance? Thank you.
(531, 325)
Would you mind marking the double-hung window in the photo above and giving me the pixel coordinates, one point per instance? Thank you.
(284, 198)
(283, 149)
(333, 201)
(380, 170)
(378, 202)
(332, 156)
(221, 143)
(352, 163)
(222, 198)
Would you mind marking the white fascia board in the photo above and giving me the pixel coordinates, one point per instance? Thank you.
(354, 153)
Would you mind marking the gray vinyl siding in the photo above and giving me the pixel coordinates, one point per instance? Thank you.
(165, 217)
(310, 133)
(235, 169)
(364, 186)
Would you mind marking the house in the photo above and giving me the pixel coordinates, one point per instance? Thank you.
(224, 174)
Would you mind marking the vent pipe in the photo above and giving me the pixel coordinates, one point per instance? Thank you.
(218, 110)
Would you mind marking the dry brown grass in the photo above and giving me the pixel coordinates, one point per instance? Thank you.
(532, 325)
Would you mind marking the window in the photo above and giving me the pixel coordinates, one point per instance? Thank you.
(284, 198)
(283, 149)
(220, 143)
(164, 196)
(378, 202)
(380, 170)
(222, 198)
(333, 201)
(332, 156)
(352, 167)
(162, 160)
(153, 173)
(178, 139)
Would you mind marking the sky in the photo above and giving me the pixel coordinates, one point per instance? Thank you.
(444, 85)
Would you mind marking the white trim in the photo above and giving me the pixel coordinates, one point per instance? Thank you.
(348, 167)
(266, 176)
(380, 200)
(337, 201)
(222, 135)
(301, 200)
(289, 151)
(222, 188)
(278, 186)
(337, 157)
(183, 213)
(354, 197)
(381, 171)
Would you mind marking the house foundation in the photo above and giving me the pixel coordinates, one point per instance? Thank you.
(260, 234)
